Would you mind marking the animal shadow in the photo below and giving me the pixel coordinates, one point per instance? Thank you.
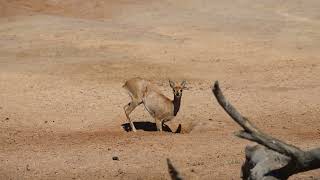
(148, 126)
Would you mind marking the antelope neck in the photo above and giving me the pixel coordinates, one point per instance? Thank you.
(176, 104)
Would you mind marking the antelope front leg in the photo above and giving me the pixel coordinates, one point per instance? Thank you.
(159, 125)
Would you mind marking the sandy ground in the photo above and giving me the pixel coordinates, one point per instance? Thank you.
(62, 65)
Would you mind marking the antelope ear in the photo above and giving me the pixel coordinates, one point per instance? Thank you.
(183, 84)
(172, 84)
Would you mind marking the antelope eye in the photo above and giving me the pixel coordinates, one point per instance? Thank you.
(181, 90)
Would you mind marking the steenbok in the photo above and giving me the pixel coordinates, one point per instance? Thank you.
(160, 107)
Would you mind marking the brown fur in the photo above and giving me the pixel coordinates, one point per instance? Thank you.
(160, 107)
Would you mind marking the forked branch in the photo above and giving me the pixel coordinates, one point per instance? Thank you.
(299, 160)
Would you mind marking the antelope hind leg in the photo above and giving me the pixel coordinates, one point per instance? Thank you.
(128, 109)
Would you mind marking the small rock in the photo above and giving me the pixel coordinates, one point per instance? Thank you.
(115, 158)
(45, 121)
(7, 119)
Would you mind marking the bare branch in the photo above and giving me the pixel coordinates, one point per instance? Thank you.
(255, 134)
(246, 125)
(174, 174)
(266, 162)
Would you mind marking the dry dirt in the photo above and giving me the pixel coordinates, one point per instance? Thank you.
(62, 65)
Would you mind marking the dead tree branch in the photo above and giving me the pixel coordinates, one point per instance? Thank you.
(174, 174)
(277, 159)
